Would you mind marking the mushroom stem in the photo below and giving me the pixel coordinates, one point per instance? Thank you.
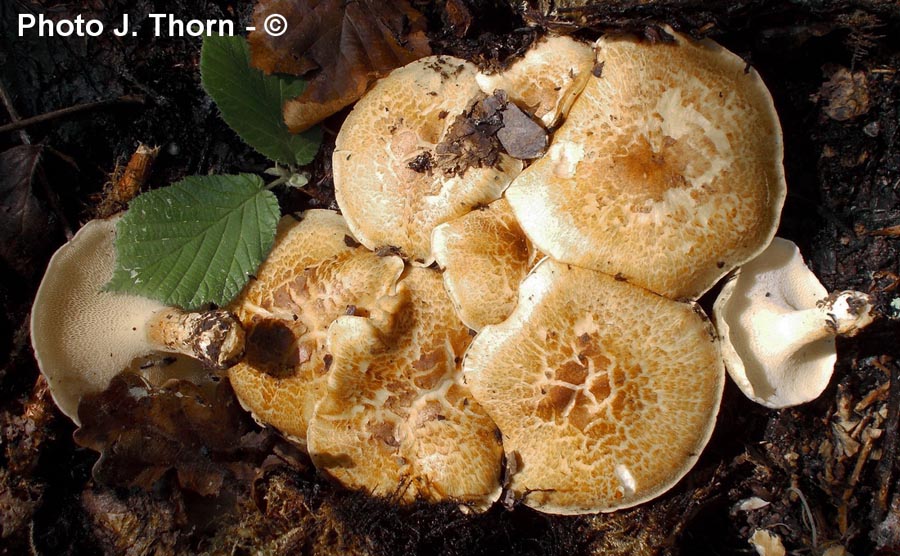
(841, 314)
(215, 338)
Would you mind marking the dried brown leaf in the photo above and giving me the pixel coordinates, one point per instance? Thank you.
(347, 44)
(24, 223)
(136, 525)
(142, 432)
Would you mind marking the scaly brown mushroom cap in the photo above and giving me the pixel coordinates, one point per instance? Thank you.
(485, 256)
(315, 273)
(605, 393)
(547, 80)
(667, 171)
(396, 419)
(392, 179)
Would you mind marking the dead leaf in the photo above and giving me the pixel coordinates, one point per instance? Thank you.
(348, 44)
(142, 432)
(24, 222)
(845, 95)
(137, 525)
(521, 136)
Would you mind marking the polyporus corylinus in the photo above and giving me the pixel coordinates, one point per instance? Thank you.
(484, 256)
(315, 273)
(778, 326)
(83, 335)
(396, 419)
(401, 164)
(605, 393)
(547, 80)
(667, 171)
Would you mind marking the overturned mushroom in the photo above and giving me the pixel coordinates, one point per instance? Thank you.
(315, 273)
(484, 256)
(667, 171)
(83, 336)
(396, 419)
(402, 161)
(778, 326)
(604, 392)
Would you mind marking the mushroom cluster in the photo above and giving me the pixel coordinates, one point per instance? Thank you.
(593, 380)
(507, 299)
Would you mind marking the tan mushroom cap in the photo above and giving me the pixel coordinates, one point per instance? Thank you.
(396, 419)
(82, 335)
(605, 393)
(547, 80)
(667, 171)
(405, 116)
(485, 256)
(313, 275)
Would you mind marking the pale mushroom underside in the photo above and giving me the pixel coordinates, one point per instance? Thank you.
(750, 315)
(84, 336)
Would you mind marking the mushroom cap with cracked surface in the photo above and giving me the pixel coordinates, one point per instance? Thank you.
(315, 273)
(667, 171)
(605, 393)
(393, 179)
(396, 419)
(484, 256)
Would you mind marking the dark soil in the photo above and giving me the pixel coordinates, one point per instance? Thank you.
(828, 468)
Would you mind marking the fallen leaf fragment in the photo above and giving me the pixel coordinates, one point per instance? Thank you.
(142, 432)
(134, 526)
(348, 44)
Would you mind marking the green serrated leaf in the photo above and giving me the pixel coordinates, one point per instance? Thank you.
(251, 101)
(196, 241)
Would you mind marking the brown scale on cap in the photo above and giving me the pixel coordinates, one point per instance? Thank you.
(312, 276)
(396, 419)
(389, 173)
(605, 393)
(667, 170)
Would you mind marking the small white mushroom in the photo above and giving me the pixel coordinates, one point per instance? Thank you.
(83, 336)
(778, 326)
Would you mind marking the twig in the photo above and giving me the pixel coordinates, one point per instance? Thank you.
(71, 110)
(885, 469)
(42, 179)
(13, 114)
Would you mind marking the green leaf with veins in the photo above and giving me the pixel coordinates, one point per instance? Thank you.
(251, 101)
(196, 241)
